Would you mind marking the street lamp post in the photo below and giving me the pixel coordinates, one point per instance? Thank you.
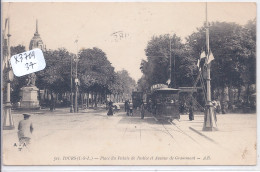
(209, 116)
(8, 118)
(71, 85)
(76, 89)
(76, 81)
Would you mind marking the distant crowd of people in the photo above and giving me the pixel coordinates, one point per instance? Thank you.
(128, 107)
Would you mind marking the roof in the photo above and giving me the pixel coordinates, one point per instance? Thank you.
(167, 90)
(35, 41)
(189, 89)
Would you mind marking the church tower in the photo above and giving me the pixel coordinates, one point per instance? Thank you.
(36, 41)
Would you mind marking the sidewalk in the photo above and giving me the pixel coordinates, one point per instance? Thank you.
(236, 134)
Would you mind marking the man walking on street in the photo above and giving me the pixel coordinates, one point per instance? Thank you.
(25, 129)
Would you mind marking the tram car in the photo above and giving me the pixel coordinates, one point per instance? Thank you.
(163, 102)
(137, 98)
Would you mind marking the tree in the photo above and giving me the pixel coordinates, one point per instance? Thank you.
(125, 84)
(156, 69)
(55, 77)
(18, 82)
(142, 84)
(248, 74)
(233, 47)
(95, 72)
(224, 44)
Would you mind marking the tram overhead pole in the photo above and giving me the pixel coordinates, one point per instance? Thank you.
(172, 61)
(209, 114)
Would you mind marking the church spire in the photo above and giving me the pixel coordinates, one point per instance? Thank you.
(36, 26)
(36, 41)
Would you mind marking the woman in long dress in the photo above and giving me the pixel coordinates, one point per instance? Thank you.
(191, 115)
(110, 109)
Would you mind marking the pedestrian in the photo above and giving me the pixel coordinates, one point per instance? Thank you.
(185, 107)
(110, 108)
(131, 109)
(126, 105)
(218, 107)
(182, 108)
(142, 110)
(25, 130)
(191, 116)
(223, 107)
(18, 104)
(214, 103)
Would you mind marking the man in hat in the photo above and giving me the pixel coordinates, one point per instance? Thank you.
(25, 129)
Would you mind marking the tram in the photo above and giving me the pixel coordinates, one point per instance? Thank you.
(163, 102)
(137, 98)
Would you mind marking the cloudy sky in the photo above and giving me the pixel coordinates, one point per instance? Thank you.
(121, 30)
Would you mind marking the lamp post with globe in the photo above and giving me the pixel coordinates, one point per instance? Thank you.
(8, 118)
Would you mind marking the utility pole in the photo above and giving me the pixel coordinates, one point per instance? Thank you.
(174, 72)
(209, 116)
(172, 76)
(170, 61)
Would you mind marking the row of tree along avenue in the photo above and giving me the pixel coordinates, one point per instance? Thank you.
(98, 81)
(233, 70)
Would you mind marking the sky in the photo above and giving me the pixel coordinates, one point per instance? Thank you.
(121, 29)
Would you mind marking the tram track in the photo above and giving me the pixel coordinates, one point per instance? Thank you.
(176, 130)
(179, 130)
(168, 132)
(208, 139)
(173, 124)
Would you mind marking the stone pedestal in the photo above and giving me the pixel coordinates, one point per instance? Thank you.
(29, 97)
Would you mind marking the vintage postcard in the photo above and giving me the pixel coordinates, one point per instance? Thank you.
(128, 83)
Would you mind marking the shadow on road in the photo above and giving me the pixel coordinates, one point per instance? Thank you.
(137, 120)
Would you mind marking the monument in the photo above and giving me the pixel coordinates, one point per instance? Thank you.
(29, 93)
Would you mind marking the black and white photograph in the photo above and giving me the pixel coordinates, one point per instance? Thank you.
(128, 83)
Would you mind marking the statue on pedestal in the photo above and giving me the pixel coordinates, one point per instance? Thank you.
(31, 80)
(29, 94)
